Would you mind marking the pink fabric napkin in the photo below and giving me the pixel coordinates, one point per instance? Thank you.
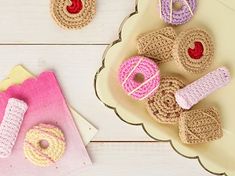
(46, 104)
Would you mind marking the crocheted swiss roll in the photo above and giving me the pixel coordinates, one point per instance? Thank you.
(10, 125)
(201, 88)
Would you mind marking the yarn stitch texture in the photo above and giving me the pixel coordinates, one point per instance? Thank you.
(162, 106)
(44, 156)
(187, 50)
(177, 16)
(147, 68)
(70, 19)
(157, 44)
(201, 88)
(10, 125)
(200, 126)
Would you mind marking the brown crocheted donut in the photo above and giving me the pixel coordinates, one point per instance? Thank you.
(194, 50)
(162, 106)
(157, 44)
(73, 14)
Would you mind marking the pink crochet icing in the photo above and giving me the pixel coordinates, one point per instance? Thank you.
(139, 65)
(10, 125)
(201, 88)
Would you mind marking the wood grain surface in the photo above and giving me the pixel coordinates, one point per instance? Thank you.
(29, 36)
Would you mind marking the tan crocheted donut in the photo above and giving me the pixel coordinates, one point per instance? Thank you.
(200, 126)
(194, 50)
(162, 106)
(39, 154)
(157, 44)
(73, 14)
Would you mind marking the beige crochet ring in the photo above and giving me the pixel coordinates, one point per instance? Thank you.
(194, 50)
(73, 14)
(44, 144)
(162, 106)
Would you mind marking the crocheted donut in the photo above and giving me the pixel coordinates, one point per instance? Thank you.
(194, 50)
(157, 44)
(139, 77)
(10, 125)
(44, 144)
(73, 14)
(177, 12)
(162, 106)
(201, 88)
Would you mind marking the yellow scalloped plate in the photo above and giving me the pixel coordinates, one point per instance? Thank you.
(217, 17)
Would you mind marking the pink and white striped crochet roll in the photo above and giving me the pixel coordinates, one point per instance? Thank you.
(201, 88)
(10, 125)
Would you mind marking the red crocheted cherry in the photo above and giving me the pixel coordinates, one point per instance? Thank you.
(75, 7)
(197, 51)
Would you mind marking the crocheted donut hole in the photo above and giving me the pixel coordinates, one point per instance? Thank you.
(139, 77)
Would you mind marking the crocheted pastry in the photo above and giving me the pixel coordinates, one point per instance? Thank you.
(177, 12)
(194, 50)
(139, 77)
(44, 144)
(73, 14)
(162, 106)
(157, 44)
(10, 125)
(200, 126)
(201, 88)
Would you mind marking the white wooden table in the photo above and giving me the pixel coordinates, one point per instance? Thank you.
(29, 36)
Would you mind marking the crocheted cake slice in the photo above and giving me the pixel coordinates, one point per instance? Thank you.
(162, 106)
(157, 44)
(10, 125)
(200, 126)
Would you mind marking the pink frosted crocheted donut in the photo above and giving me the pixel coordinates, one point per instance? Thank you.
(139, 77)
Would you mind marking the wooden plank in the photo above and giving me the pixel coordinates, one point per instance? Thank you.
(27, 21)
(75, 67)
(139, 159)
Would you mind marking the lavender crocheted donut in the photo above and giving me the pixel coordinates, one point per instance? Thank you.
(177, 12)
(139, 77)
